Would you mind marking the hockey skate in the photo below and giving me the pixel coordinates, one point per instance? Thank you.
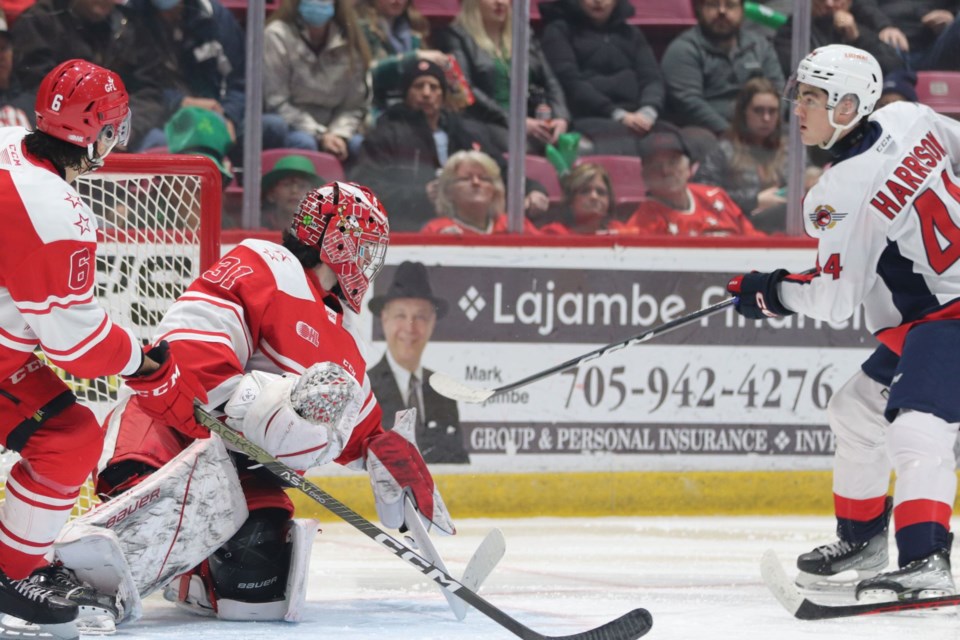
(841, 565)
(34, 611)
(98, 612)
(928, 577)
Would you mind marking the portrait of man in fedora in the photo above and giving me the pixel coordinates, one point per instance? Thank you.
(409, 312)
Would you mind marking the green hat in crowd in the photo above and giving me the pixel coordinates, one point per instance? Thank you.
(201, 131)
(292, 165)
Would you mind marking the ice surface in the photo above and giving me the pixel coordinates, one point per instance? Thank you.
(699, 577)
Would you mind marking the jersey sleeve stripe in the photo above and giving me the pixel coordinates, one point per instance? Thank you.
(53, 302)
(9, 337)
(284, 363)
(368, 406)
(82, 347)
(206, 312)
(198, 336)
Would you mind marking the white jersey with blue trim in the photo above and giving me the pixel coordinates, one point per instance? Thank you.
(888, 225)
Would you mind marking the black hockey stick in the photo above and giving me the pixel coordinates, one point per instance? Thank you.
(627, 627)
(456, 390)
(801, 608)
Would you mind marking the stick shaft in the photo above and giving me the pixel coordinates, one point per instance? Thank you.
(628, 627)
(649, 334)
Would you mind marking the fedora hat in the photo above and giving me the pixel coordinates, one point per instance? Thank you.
(409, 281)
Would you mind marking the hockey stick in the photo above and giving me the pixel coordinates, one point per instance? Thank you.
(629, 626)
(456, 390)
(802, 609)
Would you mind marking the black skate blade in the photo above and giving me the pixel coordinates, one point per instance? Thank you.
(16, 629)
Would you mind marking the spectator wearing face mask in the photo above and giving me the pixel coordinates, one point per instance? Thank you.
(314, 76)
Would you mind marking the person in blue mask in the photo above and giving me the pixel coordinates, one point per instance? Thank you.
(314, 77)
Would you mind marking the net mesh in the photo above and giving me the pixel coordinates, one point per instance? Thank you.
(155, 216)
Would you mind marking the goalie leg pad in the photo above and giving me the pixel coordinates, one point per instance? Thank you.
(176, 517)
(299, 542)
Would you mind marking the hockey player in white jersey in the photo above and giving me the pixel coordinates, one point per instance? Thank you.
(265, 332)
(47, 302)
(887, 217)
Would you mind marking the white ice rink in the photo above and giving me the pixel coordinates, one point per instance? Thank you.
(699, 577)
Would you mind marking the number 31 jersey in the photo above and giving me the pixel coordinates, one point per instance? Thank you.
(888, 225)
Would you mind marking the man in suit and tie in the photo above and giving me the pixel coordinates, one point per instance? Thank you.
(409, 312)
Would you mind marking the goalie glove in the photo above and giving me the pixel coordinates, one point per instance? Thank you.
(168, 394)
(397, 469)
(303, 421)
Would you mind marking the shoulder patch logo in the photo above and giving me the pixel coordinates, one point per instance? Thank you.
(308, 333)
(826, 217)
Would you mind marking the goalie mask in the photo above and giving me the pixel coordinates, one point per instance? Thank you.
(83, 104)
(844, 73)
(348, 226)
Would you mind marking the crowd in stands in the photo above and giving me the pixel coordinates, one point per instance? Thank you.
(417, 107)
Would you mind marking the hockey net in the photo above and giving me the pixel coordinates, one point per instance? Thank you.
(158, 220)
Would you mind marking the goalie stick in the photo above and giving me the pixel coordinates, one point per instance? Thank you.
(484, 559)
(456, 390)
(793, 601)
(629, 626)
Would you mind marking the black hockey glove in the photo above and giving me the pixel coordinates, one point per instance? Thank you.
(757, 296)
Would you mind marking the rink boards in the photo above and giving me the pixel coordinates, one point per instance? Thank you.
(723, 416)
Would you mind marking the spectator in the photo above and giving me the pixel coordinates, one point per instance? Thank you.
(396, 34)
(470, 197)
(750, 162)
(99, 31)
(480, 39)
(195, 130)
(607, 69)
(408, 312)
(897, 87)
(314, 75)
(833, 22)
(201, 49)
(411, 141)
(16, 105)
(930, 31)
(283, 187)
(589, 204)
(705, 66)
(675, 206)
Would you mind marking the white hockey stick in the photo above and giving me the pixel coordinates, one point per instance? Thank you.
(456, 390)
(484, 559)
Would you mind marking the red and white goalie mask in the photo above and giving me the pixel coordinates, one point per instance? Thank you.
(348, 226)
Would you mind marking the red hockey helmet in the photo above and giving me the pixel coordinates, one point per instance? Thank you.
(348, 226)
(80, 102)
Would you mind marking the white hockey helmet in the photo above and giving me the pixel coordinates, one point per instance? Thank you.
(841, 71)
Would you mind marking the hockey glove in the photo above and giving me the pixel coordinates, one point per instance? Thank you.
(305, 421)
(757, 294)
(396, 469)
(167, 394)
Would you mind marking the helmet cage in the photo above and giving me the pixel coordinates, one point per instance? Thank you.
(347, 225)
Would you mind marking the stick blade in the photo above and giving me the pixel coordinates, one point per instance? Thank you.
(484, 560)
(629, 626)
(779, 584)
(456, 390)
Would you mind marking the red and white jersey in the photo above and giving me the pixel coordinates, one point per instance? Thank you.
(712, 212)
(47, 269)
(498, 224)
(259, 309)
(888, 222)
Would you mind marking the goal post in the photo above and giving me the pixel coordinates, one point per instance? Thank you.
(158, 228)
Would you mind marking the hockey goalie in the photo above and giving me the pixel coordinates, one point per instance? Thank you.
(265, 333)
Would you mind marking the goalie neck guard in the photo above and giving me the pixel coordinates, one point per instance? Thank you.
(348, 227)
